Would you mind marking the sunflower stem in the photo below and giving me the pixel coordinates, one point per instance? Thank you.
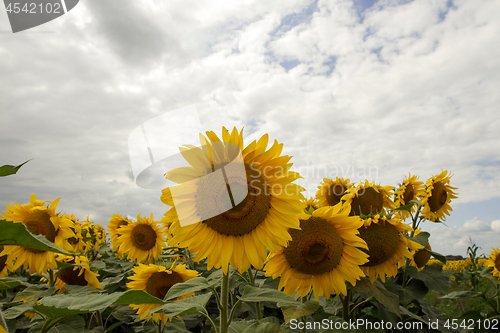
(210, 320)
(345, 305)
(51, 277)
(224, 296)
(257, 304)
(303, 319)
(99, 318)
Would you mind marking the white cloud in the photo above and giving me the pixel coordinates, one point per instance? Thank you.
(410, 90)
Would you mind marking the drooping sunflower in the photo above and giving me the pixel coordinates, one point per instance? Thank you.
(367, 198)
(323, 255)
(156, 281)
(406, 192)
(5, 263)
(436, 197)
(421, 257)
(76, 275)
(311, 203)
(39, 219)
(115, 223)
(331, 191)
(142, 240)
(387, 246)
(494, 261)
(228, 232)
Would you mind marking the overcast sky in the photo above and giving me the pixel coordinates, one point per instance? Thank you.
(352, 88)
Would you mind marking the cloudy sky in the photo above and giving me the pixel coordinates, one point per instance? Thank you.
(362, 89)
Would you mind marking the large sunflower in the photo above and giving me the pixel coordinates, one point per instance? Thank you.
(156, 281)
(142, 240)
(114, 226)
(233, 233)
(331, 191)
(39, 220)
(367, 198)
(406, 192)
(76, 275)
(494, 261)
(436, 197)
(323, 255)
(387, 246)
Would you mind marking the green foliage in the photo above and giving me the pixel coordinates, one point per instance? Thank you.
(7, 170)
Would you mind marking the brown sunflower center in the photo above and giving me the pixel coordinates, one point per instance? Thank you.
(143, 237)
(438, 197)
(3, 260)
(497, 262)
(335, 193)
(422, 257)
(216, 201)
(38, 223)
(70, 276)
(382, 240)
(368, 201)
(159, 283)
(315, 249)
(409, 194)
(121, 224)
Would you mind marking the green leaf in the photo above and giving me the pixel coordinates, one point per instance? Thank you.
(33, 292)
(265, 325)
(17, 234)
(432, 276)
(253, 294)
(190, 286)
(16, 311)
(383, 296)
(65, 305)
(407, 207)
(436, 255)
(8, 283)
(295, 312)
(7, 170)
(194, 304)
(62, 265)
(73, 324)
(422, 238)
(461, 294)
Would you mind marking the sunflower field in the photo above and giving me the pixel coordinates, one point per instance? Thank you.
(240, 249)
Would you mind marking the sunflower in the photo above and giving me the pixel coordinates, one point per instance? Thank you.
(235, 232)
(494, 261)
(94, 234)
(115, 223)
(142, 240)
(156, 281)
(311, 203)
(77, 242)
(323, 255)
(436, 197)
(39, 219)
(331, 191)
(5, 263)
(76, 275)
(387, 246)
(368, 198)
(406, 192)
(421, 257)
